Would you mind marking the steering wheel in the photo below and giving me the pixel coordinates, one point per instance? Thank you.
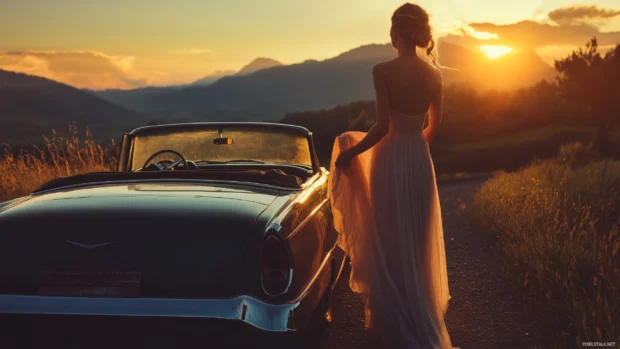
(166, 168)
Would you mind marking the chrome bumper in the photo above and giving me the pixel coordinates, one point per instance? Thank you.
(265, 316)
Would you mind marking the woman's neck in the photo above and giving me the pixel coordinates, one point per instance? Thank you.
(407, 52)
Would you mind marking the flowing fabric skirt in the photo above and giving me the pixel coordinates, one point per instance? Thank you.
(386, 207)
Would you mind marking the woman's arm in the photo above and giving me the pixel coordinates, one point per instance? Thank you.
(434, 112)
(382, 124)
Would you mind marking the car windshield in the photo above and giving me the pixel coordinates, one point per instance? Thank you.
(277, 145)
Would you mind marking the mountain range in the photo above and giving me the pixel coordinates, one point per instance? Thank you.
(263, 90)
(254, 66)
(268, 93)
(133, 98)
(209, 79)
(31, 107)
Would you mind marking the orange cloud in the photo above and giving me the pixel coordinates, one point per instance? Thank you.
(574, 14)
(192, 51)
(82, 69)
(532, 35)
(564, 30)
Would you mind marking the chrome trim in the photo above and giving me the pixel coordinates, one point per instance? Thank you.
(11, 203)
(166, 180)
(274, 226)
(265, 316)
(312, 180)
(307, 219)
(309, 285)
(301, 129)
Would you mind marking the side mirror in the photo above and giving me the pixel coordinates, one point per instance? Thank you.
(223, 141)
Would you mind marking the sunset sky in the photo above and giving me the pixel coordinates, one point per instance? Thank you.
(133, 43)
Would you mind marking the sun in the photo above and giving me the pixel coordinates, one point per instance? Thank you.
(495, 51)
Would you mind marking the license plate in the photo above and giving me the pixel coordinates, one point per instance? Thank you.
(89, 283)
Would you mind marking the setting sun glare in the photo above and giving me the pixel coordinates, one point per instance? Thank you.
(495, 51)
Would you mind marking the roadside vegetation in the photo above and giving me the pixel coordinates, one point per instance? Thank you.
(556, 229)
(23, 172)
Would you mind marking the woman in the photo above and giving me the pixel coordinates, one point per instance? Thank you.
(384, 196)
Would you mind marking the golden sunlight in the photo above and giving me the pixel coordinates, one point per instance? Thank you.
(495, 51)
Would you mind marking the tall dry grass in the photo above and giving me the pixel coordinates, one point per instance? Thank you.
(23, 172)
(556, 225)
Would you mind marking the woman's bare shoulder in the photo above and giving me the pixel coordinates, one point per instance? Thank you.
(393, 70)
(434, 70)
(381, 68)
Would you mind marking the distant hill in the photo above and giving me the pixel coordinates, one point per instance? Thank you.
(141, 98)
(269, 93)
(137, 99)
(209, 79)
(31, 107)
(254, 66)
(258, 64)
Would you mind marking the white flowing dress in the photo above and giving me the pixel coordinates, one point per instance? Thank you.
(386, 207)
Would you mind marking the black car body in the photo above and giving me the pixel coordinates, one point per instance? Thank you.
(246, 240)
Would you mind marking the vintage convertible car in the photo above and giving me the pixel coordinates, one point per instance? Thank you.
(223, 221)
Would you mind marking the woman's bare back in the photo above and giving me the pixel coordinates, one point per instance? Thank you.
(412, 84)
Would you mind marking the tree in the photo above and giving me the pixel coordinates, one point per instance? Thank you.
(590, 81)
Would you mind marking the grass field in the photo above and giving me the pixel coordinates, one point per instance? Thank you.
(556, 227)
(21, 173)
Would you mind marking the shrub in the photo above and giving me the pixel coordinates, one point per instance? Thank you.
(556, 226)
(23, 172)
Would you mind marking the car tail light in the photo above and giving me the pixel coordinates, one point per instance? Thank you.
(276, 267)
